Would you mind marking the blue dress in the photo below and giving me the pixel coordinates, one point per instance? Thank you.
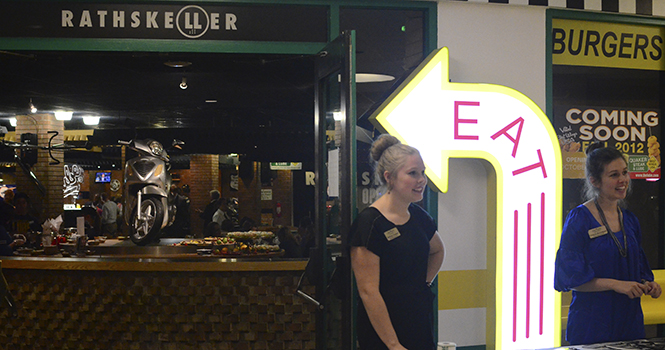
(402, 277)
(596, 317)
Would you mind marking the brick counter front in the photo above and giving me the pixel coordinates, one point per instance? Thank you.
(156, 304)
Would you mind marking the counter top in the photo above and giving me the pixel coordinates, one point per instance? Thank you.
(123, 255)
(152, 264)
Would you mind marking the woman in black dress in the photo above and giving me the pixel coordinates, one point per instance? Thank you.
(396, 252)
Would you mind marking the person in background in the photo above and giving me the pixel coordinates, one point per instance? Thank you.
(97, 203)
(8, 196)
(109, 216)
(8, 243)
(7, 208)
(210, 208)
(212, 230)
(288, 243)
(600, 258)
(92, 222)
(220, 214)
(396, 253)
(180, 225)
(22, 221)
(307, 238)
(120, 220)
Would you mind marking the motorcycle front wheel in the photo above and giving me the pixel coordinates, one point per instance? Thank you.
(146, 229)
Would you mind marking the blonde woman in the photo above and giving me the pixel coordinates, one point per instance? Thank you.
(396, 252)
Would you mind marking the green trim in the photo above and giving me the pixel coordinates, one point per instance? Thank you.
(152, 45)
(431, 30)
(549, 85)
(333, 27)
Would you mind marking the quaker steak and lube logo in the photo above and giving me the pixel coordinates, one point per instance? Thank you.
(632, 129)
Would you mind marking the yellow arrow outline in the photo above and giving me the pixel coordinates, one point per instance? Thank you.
(379, 117)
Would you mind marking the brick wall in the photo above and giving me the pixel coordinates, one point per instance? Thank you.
(51, 176)
(203, 177)
(249, 196)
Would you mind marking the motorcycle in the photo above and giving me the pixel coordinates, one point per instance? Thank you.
(149, 205)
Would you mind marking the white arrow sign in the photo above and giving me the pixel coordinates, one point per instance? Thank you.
(502, 126)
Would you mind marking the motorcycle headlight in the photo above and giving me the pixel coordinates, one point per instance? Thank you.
(156, 148)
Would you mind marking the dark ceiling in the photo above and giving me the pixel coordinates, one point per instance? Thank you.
(228, 97)
(263, 104)
(258, 105)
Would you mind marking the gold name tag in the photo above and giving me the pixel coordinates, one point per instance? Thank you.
(597, 232)
(392, 234)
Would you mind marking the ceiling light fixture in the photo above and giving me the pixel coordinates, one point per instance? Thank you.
(33, 109)
(369, 78)
(373, 78)
(60, 115)
(178, 64)
(183, 83)
(90, 120)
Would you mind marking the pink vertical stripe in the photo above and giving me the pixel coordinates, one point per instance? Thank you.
(515, 281)
(542, 260)
(528, 268)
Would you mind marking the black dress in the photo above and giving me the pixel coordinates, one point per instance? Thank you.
(403, 276)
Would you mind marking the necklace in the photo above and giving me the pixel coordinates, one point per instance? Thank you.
(622, 250)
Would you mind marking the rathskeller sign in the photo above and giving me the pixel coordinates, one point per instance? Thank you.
(228, 22)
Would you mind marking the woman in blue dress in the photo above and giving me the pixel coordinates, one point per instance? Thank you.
(600, 258)
(396, 252)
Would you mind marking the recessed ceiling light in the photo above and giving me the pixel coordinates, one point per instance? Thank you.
(90, 120)
(211, 101)
(60, 115)
(178, 64)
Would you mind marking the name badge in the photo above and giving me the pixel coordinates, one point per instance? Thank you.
(597, 232)
(392, 234)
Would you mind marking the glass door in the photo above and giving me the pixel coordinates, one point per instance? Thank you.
(335, 167)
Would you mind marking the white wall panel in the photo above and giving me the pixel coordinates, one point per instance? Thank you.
(495, 43)
(462, 216)
(464, 327)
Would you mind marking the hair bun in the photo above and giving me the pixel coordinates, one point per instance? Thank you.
(381, 144)
(593, 146)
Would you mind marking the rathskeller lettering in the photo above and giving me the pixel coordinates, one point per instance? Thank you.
(607, 44)
(148, 19)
